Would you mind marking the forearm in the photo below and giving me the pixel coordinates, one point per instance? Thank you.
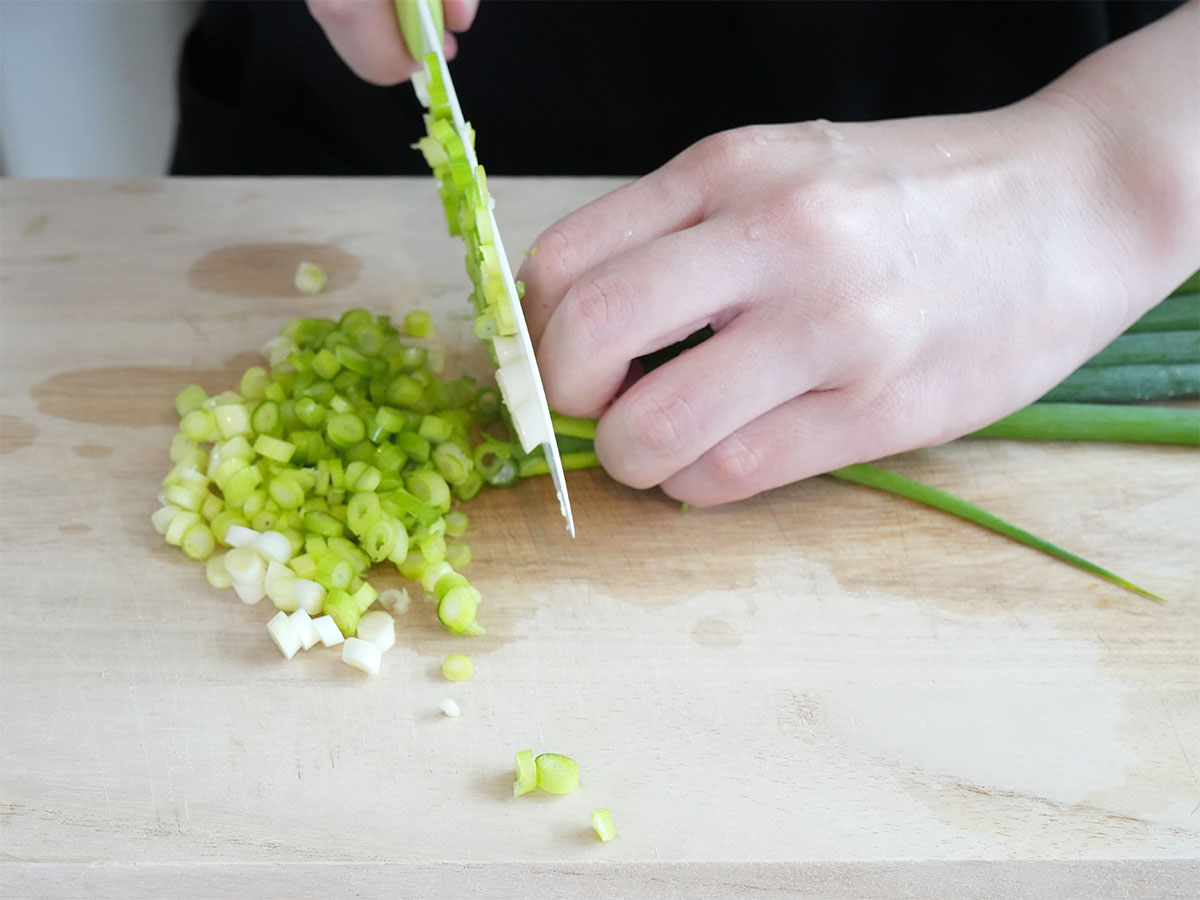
(1137, 102)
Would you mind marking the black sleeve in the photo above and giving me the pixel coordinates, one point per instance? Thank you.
(602, 87)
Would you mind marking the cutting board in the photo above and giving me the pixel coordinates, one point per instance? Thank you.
(821, 691)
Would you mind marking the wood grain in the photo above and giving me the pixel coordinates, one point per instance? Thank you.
(819, 692)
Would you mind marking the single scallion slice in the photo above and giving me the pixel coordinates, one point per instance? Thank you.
(602, 824)
(310, 278)
(526, 779)
(556, 774)
(458, 667)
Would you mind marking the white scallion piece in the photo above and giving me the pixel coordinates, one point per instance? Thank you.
(508, 350)
(245, 566)
(449, 707)
(249, 592)
(527, 419)
(397, 600)
(240, 535)
(378, 627)
(272, 545)
(284, 633)
(305, 628)
(310, 596)
(328, 631)
(362, 655)
(515, 384)
(420, 82)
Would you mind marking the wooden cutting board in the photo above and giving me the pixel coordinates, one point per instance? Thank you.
(822, 691)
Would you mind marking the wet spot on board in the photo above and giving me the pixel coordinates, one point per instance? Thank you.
(715, 634)
(139, 186)
(36, 225)
(16, 433)
(269, 270)
(132, 396)
(75, 528)
(92, 451)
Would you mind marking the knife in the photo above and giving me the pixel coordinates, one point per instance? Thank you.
(449, 148)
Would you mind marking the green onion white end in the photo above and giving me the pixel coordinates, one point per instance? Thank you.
(362, 655)
(378, 627)
(284, 633)
(328, 631)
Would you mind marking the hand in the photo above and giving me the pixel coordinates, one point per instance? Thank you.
(873, 288)
(365, 34)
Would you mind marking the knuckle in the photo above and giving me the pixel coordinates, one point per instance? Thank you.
(662, 422)
(725, 151)
(599, 307)
(733, 462)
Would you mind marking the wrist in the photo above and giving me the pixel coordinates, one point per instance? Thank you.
(1131, 115)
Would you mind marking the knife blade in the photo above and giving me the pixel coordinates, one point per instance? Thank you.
(501, 319)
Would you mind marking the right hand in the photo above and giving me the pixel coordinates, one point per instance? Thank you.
(366, 35)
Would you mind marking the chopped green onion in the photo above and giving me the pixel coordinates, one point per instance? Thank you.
(556, 774)
(198, 541)
(458, 554)
(310, 278)
(418, 324)
(274, 449)
(191, 397)
(379, 628)
(344, 429)
(602, 824)
(526, 779)
(457, 609)
(216, 573)
(458, 667)
(362, 655)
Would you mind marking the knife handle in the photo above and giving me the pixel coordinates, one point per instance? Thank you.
(409, 18)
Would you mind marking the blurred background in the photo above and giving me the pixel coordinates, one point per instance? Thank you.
(87, 87)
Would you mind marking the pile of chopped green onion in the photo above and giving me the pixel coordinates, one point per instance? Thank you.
(348, 450)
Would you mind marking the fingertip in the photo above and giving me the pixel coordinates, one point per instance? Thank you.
(459, 14)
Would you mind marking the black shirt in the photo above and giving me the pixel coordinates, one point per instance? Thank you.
(596, 87)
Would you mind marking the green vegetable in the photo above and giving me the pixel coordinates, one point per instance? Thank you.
(526, 773)
(1126, 384)
(602, 824)
(1098, 422)
(458, 667)
(881, 479)
(418, 324)
(1179, 312)
(556, 774)
(353, 493)
(310, 278)
(1150, 347)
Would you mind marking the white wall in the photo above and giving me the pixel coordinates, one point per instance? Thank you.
(87, 87)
